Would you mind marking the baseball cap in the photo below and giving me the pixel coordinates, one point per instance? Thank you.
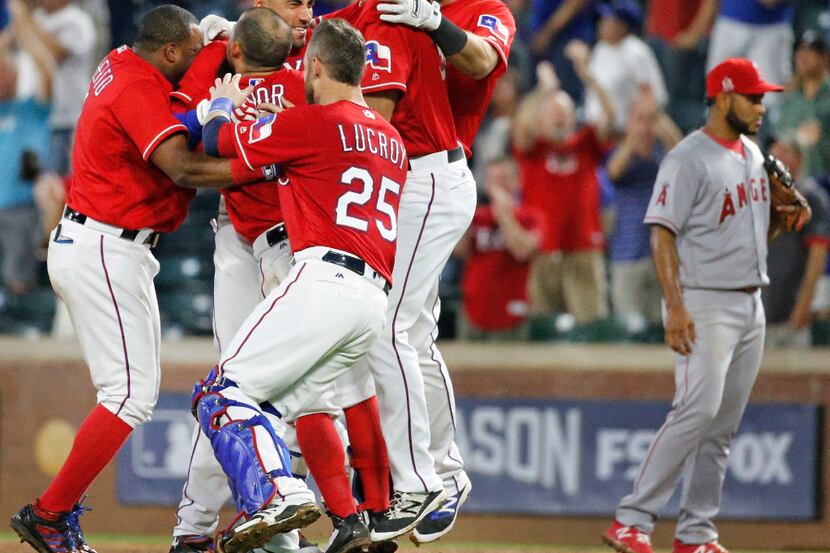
(813, 40)
(737, 75)
(627, 11)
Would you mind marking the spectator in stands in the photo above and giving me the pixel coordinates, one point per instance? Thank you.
(69, 34)
(558, 164)
(25, 91)
(756, 29)
(677, 32)
(632, 168)
(622, 63)
(796, 263)
(493, 138)
(498, 246)
(553, 24)
(804, 110)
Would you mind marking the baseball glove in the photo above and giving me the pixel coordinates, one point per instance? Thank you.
(789, 210)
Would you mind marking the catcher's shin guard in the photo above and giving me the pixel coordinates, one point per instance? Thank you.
(235, 445)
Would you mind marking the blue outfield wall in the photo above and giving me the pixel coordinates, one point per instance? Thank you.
(548, 457)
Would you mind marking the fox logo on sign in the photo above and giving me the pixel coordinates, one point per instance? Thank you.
(261, 129)
(378, 56)
(497, 28)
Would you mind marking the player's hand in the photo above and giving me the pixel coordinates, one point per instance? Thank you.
(264, 108)
(214, 27)
(228, 87)
(680, 330)
(421, 14)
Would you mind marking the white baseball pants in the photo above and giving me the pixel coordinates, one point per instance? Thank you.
(713, 384)
(436, 207)
(106, 283)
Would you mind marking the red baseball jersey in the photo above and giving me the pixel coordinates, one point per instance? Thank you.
(343, 169)
(560, 181)
(404, 59)
(491, 306)
(295, 57)
(125, 117)
(253, 208)
(469, 97)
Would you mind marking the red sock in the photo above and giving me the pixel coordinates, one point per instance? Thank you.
(324, 455)
(369, 455)
(98, 440)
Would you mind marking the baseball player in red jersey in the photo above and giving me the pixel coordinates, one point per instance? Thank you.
(475, 36)
(130, 159)
(342, 172)
(252, 252)
(404, 81)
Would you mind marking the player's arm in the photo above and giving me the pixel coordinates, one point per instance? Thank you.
(468, 52)
(679, 327)
(191, 169)
(384, 102)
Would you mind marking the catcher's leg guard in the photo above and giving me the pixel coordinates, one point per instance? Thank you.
(238, 438)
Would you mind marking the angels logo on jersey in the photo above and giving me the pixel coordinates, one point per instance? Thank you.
(497, 28)
(261, 129)
(378, 56)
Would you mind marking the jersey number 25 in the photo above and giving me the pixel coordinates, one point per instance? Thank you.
(363, 197)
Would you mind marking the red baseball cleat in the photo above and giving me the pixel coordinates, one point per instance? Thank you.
(628, 539)
(711, 547)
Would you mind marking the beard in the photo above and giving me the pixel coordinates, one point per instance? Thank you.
(737, 124)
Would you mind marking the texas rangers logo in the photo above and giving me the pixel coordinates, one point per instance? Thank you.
(497, 28)
(261, 129)
(378, 56)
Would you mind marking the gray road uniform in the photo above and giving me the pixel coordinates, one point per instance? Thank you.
(717, 203)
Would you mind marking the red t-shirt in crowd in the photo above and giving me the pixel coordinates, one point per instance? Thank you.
(667, 18)
(343, 169)
(125, 117)
(404, 59)
(494, 282)
(560, 180)
(469, 97)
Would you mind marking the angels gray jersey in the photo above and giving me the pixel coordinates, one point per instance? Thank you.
(717, 203)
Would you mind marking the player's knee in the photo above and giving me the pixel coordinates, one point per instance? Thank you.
(134, 410)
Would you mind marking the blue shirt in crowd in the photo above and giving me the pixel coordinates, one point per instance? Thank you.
(755, 13)
(23, 126)
(581, 26)
(630, 240)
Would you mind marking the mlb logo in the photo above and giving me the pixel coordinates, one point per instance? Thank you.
(496, 27)
(378, 56)
(261, 129)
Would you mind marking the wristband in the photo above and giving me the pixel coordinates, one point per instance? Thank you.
(449, 37)
(241, 174)
(223, 106)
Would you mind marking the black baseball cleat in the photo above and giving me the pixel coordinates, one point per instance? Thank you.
(405, 511)
(440, 521)
(58, 534)
(192, 543)
(350, 535)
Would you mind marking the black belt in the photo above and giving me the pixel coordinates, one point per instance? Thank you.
(452, 155)
(76, 216)
(746, 289)
(354, 264)
(276, 235)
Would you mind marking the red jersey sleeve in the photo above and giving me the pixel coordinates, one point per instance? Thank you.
(200, 75)
(273, 139)
(497, 27)
(143, 111)
(388, 59)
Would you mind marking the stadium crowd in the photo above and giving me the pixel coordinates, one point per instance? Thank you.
(596, 95)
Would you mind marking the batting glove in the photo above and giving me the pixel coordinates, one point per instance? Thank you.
(214, 27)
(421, 14)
